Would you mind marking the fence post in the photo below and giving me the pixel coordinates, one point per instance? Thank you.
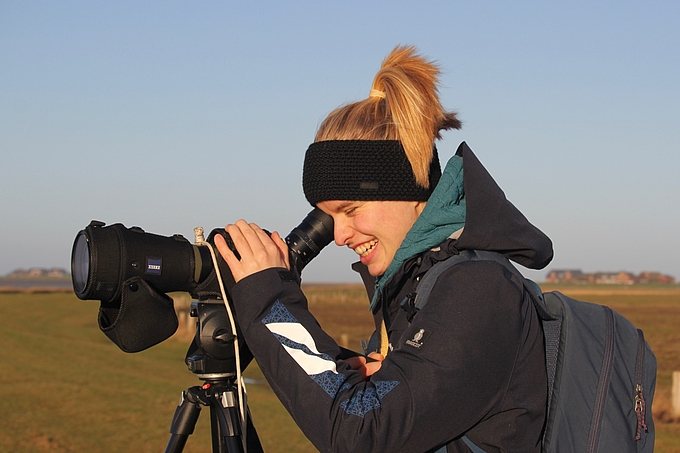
(675, 395)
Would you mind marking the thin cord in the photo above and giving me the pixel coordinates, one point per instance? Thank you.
(240, 384)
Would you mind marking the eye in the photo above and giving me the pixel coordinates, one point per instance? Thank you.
(352, 209)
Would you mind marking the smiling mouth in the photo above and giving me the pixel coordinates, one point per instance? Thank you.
(366, 248)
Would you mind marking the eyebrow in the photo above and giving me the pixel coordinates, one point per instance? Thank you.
(342, 205)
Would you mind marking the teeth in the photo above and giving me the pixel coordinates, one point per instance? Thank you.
(365, 249)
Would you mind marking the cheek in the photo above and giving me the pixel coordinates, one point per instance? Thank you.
(386, 227)
(362, 224)
(398, 229)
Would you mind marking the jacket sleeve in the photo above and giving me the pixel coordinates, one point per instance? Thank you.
(453, 362)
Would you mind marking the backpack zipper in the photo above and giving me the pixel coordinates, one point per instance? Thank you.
(640, 404)
(603, 384)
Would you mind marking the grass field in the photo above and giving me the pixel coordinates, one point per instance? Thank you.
(64, 387)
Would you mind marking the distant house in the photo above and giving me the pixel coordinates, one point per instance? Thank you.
(37, 272)
(603, 278)
(566, 276)
(613, 278)
(656, 278)
(607, 278)
(625, 278)
(56, 273)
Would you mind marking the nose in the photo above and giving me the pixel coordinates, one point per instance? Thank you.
(342, 231)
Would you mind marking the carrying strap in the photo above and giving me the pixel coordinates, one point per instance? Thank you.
(474, 448)
(430, 279)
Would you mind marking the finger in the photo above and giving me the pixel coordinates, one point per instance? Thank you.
(259, 242)
(272, 244)
(371, 368)
(356, 362)
(283, 248)
(229, 257)
(238, 233)
(376, 356)
(223, 248)
(271, 249)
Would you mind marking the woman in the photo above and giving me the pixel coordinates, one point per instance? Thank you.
(476, 376)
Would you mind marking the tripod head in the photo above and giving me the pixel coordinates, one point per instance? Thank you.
(214, 357)
(212, 353)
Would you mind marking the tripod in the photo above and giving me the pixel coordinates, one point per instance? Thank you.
(211, 358)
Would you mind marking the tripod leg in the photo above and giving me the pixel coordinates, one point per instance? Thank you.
(230, 441)
(252, 438)
(184, 420)
(225, 414)
(225, 420)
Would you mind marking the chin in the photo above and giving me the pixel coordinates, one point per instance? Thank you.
(376, 272)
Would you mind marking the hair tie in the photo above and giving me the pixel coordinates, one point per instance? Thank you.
(376, 94)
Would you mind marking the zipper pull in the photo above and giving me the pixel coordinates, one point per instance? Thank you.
(640, 411)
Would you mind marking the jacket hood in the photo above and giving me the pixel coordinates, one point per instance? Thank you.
(468, 197)
(493, 223)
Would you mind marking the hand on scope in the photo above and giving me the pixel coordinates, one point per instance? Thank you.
(258, 250)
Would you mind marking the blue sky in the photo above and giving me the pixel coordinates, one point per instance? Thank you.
(168, 115)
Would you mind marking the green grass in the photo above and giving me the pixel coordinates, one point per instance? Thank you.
(64, 387)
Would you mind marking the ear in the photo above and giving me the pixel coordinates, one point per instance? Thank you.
(419, 206)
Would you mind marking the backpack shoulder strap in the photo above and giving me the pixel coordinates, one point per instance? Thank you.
(430, 278)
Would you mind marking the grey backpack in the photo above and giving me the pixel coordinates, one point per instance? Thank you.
(601, 371)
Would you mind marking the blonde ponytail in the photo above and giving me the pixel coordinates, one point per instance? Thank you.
(403, 104)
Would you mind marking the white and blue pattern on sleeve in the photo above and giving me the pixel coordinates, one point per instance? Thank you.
(300, 345)
(369, 399)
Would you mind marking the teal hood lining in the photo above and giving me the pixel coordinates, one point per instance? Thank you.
(443, 214)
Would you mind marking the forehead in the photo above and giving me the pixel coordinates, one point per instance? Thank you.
(379, 207)
(330, 206)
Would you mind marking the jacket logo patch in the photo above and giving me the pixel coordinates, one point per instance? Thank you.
(419, 338)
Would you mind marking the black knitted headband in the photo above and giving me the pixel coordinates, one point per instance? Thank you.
(366, 170)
